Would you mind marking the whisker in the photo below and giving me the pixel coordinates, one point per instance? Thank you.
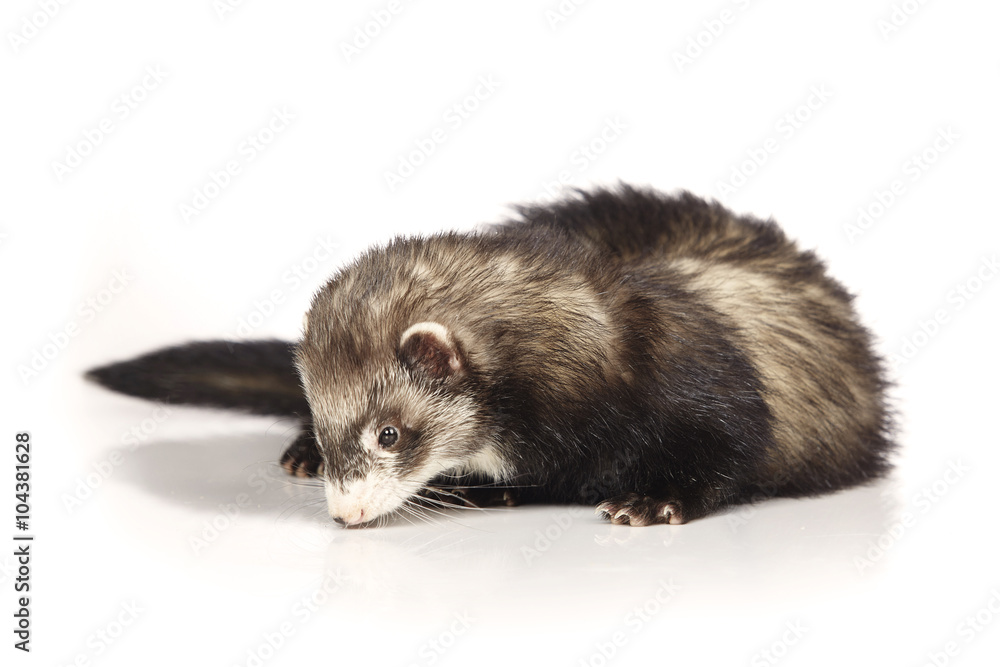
(415, 512)
(442, 503)
(401, 512)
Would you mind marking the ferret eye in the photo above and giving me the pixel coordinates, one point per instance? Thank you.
(388, 436)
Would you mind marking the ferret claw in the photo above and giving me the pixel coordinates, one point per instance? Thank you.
(633, 509)
(302, 458)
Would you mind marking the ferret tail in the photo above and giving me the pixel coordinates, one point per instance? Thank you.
(258, 377)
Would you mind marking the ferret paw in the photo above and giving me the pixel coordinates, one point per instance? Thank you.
(302, 458)
(633, 509)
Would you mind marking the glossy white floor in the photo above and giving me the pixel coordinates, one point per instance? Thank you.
(165, 538)
(222, 556)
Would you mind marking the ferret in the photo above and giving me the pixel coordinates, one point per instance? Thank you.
(655, 355)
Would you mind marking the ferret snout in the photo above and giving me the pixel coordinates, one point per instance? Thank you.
(347, 509)
(351, 521)
(360, 502)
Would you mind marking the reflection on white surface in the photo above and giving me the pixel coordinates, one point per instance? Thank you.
(201, 528)
(792, 548)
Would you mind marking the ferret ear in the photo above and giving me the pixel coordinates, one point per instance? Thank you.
(430, 348)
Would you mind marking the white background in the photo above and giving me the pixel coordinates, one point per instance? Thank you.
(888, 574)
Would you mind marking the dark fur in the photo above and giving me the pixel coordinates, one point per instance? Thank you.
(258, 377)
(670, 410)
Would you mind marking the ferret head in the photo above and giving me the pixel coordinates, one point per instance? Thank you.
(392, 409)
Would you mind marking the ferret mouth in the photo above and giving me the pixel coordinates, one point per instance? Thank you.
(365, 502)
(364, 507)
(366, 519)
(363, 519)
(360, 516)
(358, 522)
(379, 499)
